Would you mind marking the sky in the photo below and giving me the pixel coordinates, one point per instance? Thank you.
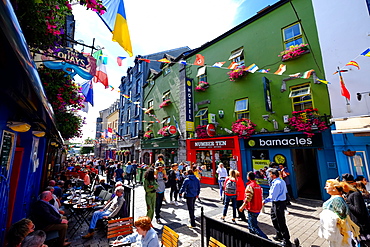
(154, 26)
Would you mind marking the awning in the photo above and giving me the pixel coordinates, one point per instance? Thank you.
(352, 125)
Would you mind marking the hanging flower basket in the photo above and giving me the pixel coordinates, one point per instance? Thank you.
(349, 153)
(165, 103)
(237, 73)
(243, 127)
(294, 51)
(201, 131)
(202, 86)
(149, 110)
(307, 121)
(148, 134)
(164, 131)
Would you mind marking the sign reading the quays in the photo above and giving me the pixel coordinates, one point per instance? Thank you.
(285, 141)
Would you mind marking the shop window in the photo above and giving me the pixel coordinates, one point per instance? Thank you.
(301, 97)
(237, 56)
(203, 116)
(260, 159)
(166, 95)
(202, 75)
(292, 35)
(241, 108)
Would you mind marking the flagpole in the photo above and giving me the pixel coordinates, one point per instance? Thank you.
(342, 82)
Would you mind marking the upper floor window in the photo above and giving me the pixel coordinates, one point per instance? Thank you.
(166, 70)
(292, 35)
(301, 97)
(150, 103)
(203, 116)
(368, 5)
(237, 56)
(166, 121)
(166, 95)
(241, 108)
(202, 75)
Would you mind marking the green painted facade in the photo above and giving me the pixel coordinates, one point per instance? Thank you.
(262, 40)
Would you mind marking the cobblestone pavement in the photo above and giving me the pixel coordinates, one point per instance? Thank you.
(303, 220)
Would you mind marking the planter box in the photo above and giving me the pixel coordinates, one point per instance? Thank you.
(305, 52)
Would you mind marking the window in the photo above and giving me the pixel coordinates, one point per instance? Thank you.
(136, 129)
(368, 5)
(241, 108)
(166, 95)
(137, 86)
(150, 103)
(237, 56)
(128, 114)
(203, 116)
(292, 35)
(166, 70)
(202, 76)
(301, 97)
(166, 121)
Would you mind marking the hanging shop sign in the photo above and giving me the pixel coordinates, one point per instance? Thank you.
(189, 109)
(211, 130)
(71, 61)
(213, 144)
(299, 140)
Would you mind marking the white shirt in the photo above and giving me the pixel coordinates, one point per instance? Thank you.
(222, 173)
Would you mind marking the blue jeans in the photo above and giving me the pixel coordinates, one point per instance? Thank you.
(97, 216)
(253, 224)
(233, 201)
(221, 184)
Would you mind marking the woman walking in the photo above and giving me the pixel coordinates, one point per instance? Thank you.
(150, 187)
(221, 174)
(230, 194)
(240, 195)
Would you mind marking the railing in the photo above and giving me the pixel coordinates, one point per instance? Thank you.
(229, 235)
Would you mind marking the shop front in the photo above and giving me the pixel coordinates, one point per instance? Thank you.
(151, 148)
(310, 160)
(207, 153)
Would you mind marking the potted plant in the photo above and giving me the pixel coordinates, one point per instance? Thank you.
(237, 73)
(164, 131)
(201, 131)
(294, 51)
(243, 127)
(165, 103)
(307, 121)
(202, 86)
(148, 134)
(149, 110)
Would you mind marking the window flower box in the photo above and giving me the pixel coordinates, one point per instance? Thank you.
(148, 134)
(202, 86)
(149, 110)
(237, 73)
(167, 102)
(164, 131)
(201, 131)
(307, 121)
(243, 127)
(294, 51)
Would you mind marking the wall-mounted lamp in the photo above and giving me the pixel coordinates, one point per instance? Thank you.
(38, 133)
(359, 95)
(19, 126)
(221, 113)
(266, 118)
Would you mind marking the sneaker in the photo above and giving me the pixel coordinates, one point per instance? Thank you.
(88, 235)
(159, 221)
(233, 220)
(176, 203)
(223, 219)
(190, 226)
(172, 202)
(286, 212)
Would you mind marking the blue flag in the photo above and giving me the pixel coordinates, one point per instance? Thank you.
(87, 91)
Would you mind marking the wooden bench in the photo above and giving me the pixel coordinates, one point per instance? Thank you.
(169, 237)
(215, 243)
(120, 227)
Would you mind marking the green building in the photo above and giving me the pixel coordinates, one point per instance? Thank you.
(264, 102)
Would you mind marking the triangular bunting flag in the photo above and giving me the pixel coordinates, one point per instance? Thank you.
(164, 60)
(218, 64)
(199, 60)
(307, 74)
(233, 65)
(281, 69)
(353, 63)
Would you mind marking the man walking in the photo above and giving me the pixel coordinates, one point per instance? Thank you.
(253, 203)
(191, 187)
(277, 195)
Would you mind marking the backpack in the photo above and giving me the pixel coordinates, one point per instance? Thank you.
(230, 187)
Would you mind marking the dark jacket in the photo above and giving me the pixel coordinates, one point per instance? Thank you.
(358, 211)
(43, 214)
(191, 186)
